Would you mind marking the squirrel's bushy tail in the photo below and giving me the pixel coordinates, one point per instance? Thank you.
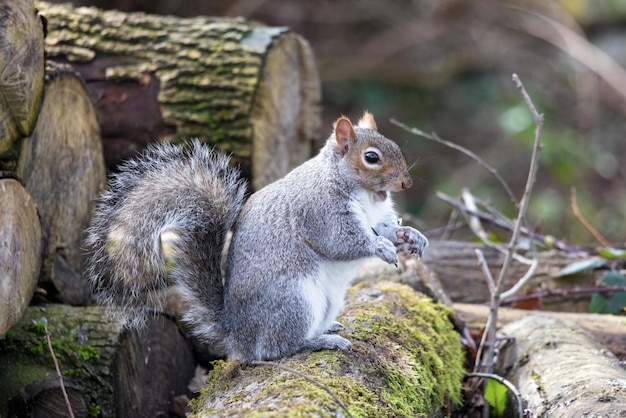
(164, 220)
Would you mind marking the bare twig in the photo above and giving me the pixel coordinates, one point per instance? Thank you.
(486, 271)
(473, 221)
(307, 378)
(521, 282)
(487, 364)
(593, 231)
(510, 386)
(547, 240)
(56, 366)
(434, 137)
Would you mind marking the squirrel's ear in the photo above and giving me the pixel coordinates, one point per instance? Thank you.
(367, 121)
(344, 134)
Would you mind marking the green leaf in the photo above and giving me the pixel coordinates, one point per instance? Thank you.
(613, 278)
(612, 253)
(495, 394)
(615, 302)
(582, 265)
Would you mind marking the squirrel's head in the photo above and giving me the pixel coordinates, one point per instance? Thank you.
(375, 161)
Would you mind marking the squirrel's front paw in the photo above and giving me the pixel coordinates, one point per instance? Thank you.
(335, 326)
(411, 240)
(385, 250)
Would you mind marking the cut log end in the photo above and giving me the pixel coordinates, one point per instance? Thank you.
(62, 166)
(20, 251)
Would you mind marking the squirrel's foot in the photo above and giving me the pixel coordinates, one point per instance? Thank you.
(411, 241)
(385, 250)
(335, 326)
(328, 342)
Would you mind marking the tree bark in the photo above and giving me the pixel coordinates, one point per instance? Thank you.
(562, 372)
(608, 330)
(21, 75)
(107, 370)
(62, 167)
(20, 251)
(406, 360)
(244, 88)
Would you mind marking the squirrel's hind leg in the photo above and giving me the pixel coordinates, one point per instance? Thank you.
(335, 326)
(327, 342)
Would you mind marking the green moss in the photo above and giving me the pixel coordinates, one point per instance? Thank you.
(408, 357)
(94, 410)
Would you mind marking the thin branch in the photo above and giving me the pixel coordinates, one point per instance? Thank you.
(486, 271)
(434, 137)
(481, 346)
(510, 386)
(56, 366)
(307, 378)
(593, 231)
(521, 282)
(523, 207)
(546, 240)
(473, 221)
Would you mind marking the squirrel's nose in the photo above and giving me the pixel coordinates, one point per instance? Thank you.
(407, 182)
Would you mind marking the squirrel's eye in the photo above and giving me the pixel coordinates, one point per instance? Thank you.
(371, 157)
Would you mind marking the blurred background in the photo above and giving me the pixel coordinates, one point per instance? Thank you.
(445, 67)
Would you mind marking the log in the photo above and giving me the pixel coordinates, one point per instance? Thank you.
(20, 251)
(108, 371)
(406, 360)
(247, 89)
(456, 265)
(62, 167)
(562, 372)
(608, 330)
(22, 80)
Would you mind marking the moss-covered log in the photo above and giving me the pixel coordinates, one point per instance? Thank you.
(406, 360)
(20, 251)
(247, 89)
(21, 74)
(62, 167)
(107, 370)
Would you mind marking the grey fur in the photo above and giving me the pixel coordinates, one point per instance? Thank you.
(294, 249)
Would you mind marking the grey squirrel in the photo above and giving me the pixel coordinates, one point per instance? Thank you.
(295, 246)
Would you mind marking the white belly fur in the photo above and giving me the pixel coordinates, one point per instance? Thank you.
(325, 291)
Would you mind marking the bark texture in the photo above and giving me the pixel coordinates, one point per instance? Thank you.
(62, 167)
(608, 330)
(108, 371)
(244, 88)
(562, 372)
(21, 74)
